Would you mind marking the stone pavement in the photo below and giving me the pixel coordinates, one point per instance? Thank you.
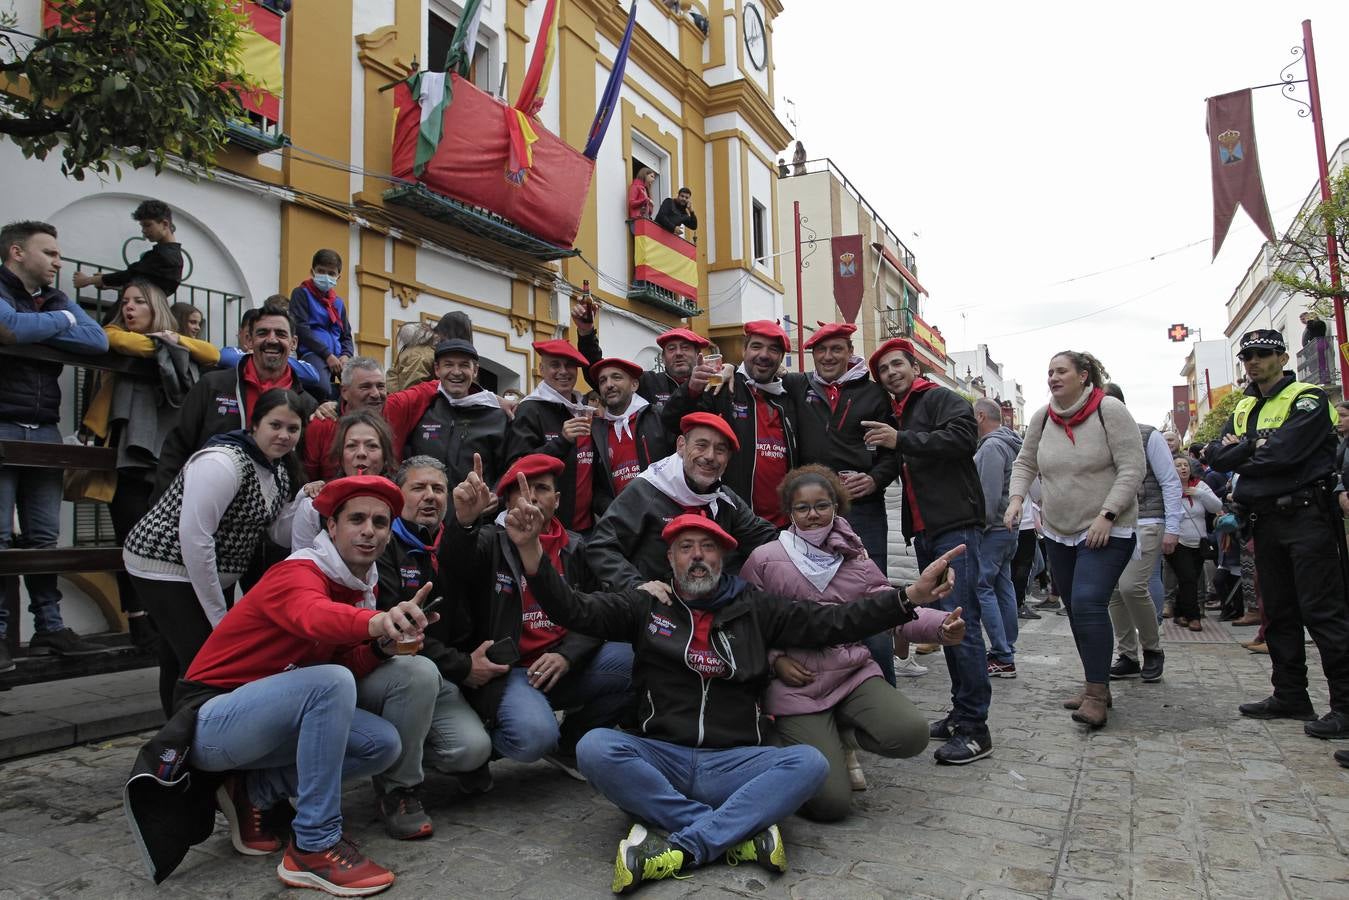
(1177, 797)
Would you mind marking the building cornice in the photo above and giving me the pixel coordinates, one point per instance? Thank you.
(744, 98)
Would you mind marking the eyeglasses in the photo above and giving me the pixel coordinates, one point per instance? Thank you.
(803, 509)
(1251, 353)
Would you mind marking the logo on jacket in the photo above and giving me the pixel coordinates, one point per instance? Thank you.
(226, 405)
(505, 582)
(660, 625)
(411, 575)
(430, 431)
(740, 410)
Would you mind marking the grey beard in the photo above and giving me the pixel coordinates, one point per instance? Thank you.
(699, 586)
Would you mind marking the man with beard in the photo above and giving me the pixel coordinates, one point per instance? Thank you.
(680, 350)
(363, 387)
(625, 549)
(695, 775)
(932, 443)
(627, 436)
(831, 404)
(451, 418)
(760, 412)
(223, 400)
(554, 419)
(555, 668)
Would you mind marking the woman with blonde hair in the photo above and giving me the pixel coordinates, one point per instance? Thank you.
(1085, 447)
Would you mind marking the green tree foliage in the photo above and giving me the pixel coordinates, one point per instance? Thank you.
(1303, 264)
(1216, 420)
(136, 77)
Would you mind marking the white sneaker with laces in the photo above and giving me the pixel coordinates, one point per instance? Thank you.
(907, 667)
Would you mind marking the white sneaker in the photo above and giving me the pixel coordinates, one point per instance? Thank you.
(907, 667)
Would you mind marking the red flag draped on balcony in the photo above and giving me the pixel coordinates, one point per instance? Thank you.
(664, 258)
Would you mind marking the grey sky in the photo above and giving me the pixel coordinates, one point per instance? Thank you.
(1032, 143)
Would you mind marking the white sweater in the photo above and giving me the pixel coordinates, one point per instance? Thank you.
(1193, 525)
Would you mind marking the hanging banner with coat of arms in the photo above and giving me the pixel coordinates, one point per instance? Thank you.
(1236, 166)
(846, 255)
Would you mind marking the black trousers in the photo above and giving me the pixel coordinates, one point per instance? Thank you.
(1022, 561)
(129, 503)
(1304, 580)
(182, 625)
(1188, 566)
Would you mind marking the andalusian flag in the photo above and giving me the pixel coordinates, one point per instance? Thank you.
(433, 91)
(664, 258)
(609, 100)
(532, 92)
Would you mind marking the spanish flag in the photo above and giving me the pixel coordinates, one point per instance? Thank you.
(260, 55)
(664, 259)
(532, 92)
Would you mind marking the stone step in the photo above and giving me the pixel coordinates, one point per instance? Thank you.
(53, 715)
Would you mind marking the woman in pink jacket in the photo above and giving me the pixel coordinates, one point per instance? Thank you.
(835, 698)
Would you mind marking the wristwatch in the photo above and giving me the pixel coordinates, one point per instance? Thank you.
(1108, 515)
(906, 604)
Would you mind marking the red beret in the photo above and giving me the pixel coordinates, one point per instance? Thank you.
(829, 330)
(613, 362)
(769, 329)
(340, 490)
(563, 349)
(707, 420)
(683, 334)
(532, 465)
(889, 346)
(702, 523)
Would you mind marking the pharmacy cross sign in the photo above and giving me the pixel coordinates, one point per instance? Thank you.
(1177, 333)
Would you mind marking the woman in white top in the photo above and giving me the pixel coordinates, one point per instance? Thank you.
(1187, 563)
(201, 535)
(361, 446)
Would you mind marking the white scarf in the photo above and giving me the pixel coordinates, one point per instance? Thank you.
(770, 387)
(668, 476)
(323, 553)
(476, 397)
(816, 565)
(623, 421)
(546, 393)
(857, 368)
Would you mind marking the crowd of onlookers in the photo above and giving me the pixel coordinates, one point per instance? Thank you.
(674, 587)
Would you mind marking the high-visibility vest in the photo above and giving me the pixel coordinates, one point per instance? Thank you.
(1275, 410)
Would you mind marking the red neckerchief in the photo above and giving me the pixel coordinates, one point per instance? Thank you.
(1192, 482)
(1093, 401)
(329, 299)
(554, 541)
(919, 385)
(260, 387)
(831, 392)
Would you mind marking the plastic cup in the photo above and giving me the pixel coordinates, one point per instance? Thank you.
(715, 379)
(407, 646)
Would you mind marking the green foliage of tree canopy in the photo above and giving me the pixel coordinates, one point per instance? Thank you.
(1302, 256)
(139, 77)
(1213, 424)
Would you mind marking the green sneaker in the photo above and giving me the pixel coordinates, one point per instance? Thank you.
(643, 856)
(765, 848)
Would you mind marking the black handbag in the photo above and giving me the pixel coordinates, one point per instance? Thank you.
(1208, 549)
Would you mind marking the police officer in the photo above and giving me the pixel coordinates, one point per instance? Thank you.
(1281, 441)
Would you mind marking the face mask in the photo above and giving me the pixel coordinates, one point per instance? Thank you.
(815, 536)
(325, 282)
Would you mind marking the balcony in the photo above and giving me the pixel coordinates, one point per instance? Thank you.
(1316, 363)
(476, 220)
(826, 166)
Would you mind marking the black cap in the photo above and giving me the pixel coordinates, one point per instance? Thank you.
(1264, 337)
(456, 345)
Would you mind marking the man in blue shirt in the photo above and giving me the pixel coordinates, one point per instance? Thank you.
(32, 311)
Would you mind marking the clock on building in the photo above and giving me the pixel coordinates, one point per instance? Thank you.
(756, 36)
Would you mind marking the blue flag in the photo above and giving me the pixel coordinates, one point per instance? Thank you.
(609, 100)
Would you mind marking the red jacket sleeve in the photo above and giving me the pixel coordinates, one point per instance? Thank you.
(301, 605)
(404, 409)
(318, 441)
(360, 659)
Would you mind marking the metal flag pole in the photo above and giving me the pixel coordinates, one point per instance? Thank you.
(1323, 171)
(800, 302)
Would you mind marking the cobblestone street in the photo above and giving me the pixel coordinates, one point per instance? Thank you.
(1177, 797)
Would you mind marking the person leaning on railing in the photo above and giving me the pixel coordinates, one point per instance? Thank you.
(32, 311)
(134, 415)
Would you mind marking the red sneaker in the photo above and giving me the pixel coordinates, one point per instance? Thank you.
(341, 870)
(249, 835)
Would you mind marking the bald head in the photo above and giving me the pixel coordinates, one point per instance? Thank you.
(987, 415)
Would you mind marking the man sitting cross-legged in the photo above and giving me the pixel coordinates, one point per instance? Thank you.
(273, 697)
(695, 776)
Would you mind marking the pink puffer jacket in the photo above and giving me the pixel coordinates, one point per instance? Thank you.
(837, 669)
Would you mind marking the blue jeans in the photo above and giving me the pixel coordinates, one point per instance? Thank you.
(882, 649)
(1086, 579)
(708, 800)
(526, 729)
(967, 661)
(868, 519)
(299, 734)
(997, 595)
(37, 494)
(1157, 590)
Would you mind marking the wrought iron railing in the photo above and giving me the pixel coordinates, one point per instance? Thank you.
(1316, 363)
(812, 166)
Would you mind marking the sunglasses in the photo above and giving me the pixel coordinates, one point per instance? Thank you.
(1253, 353)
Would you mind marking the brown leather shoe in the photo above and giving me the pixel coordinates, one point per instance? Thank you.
(1092, 712)
(1196, 625)
(1075, 701)
(1246, 620)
